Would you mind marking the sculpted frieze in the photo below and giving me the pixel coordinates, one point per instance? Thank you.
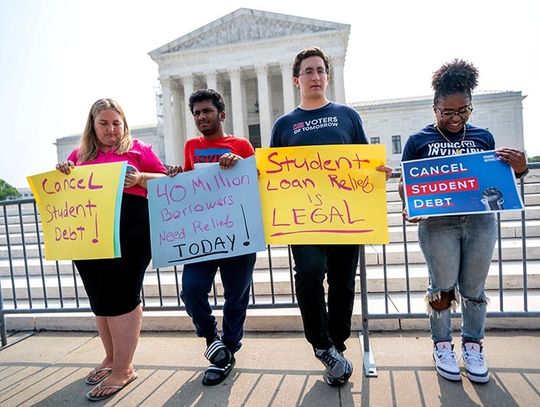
(246, 28)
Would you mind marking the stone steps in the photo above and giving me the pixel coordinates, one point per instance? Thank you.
(168, 284)
(511, 250)
(276, 318)
(509, 228)
(532, 211)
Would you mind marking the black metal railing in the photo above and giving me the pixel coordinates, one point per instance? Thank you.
(30, 284)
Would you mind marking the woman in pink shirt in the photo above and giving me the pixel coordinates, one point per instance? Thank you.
(114, 285)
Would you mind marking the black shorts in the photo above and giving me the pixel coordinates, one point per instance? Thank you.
(114, 285)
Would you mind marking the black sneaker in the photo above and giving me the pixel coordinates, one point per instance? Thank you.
(338, 368)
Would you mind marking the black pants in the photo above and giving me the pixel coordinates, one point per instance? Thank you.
(324, 328)
(114, 285)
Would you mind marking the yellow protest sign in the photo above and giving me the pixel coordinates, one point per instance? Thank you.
(323, 194)
(80, 212)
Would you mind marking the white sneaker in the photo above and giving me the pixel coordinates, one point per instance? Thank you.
(445, 361)
(475, 363)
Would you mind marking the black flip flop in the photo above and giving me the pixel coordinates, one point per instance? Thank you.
(100, 386)
(91, 378)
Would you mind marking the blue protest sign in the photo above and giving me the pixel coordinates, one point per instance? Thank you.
(205, 214)
(459, 184)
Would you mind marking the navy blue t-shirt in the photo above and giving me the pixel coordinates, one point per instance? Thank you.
(333, 123)
(428, 143)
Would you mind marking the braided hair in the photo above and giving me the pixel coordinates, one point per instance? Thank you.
(458, 76)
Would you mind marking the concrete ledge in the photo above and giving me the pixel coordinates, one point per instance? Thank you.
(276, 320)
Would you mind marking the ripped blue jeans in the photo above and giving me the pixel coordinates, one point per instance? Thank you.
(458, 251)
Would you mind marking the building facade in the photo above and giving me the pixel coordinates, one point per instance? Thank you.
(247, 56)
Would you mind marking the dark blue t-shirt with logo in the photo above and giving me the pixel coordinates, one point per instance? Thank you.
(428, 143)
(333, 123)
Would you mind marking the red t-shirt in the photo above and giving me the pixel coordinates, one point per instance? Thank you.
(200, 150)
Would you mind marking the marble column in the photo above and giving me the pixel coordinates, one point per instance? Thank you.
(191, 131)
(177, 122)
(211, 80)
(245, 131)
(265, 117)
(237, 102)
(288, 87)
(339, 85)
(168, 126)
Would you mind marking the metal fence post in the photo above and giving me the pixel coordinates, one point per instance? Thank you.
(370, 370)
(3, 333)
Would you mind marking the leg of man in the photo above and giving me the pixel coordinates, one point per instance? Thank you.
(236, 275)
(197, 281)
(310, 268)
(342, 266)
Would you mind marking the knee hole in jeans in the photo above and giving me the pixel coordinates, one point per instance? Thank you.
(441, 301)
(476, 302)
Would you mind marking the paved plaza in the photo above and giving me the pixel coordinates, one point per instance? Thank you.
(47, 369)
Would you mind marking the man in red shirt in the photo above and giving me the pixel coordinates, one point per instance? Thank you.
(214, 146)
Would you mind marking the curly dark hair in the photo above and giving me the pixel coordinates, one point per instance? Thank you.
(207, 94)
(458, 76)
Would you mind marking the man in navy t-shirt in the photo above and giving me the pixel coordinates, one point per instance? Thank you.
(319, 121)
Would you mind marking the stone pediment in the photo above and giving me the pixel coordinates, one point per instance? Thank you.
(247, 25)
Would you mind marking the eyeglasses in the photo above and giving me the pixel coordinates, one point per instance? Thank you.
(463, 112)
(310, 72)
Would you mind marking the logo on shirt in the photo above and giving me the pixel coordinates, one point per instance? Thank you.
(316, 124)
(444, 148)
(210, 155)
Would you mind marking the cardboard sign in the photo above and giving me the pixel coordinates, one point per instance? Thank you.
(204, 214)
(459, 185)
(80, 212)
(328, 194)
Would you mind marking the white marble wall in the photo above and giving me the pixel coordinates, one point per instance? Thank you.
(500, 112)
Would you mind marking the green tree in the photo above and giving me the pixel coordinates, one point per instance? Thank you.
(7, 191)
(535, 159)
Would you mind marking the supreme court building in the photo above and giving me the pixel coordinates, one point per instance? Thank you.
(247, 56)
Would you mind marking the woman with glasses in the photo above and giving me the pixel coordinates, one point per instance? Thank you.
(457, 249)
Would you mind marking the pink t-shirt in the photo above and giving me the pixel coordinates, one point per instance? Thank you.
(141, 156)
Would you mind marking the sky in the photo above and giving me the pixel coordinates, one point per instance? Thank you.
(58, 56)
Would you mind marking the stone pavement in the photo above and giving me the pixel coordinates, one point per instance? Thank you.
(47, 369)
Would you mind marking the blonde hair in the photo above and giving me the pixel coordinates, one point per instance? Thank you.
(89, 144)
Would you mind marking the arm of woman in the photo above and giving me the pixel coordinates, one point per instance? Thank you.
(517, 159)
(150, 165)
(140, 178)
